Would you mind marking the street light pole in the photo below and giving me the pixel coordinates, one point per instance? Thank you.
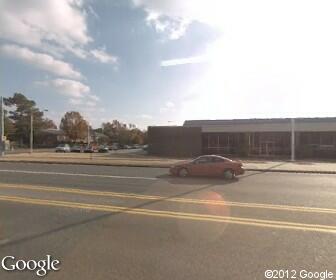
(88, 133)
(2, 128)
(31, 131)
(292, 139)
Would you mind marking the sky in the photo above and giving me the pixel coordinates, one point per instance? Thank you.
(160, 62)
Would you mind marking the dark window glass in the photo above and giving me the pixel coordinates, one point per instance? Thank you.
(202, 160)
(217, 159)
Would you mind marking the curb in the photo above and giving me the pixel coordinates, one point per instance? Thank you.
(291, 171)
(166, 166)
(88, 163)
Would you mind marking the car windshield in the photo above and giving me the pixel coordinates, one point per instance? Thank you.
(168, 139)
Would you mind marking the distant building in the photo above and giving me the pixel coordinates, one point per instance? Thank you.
(314, 138)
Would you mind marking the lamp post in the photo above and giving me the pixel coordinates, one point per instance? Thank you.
(2, 128)
(88, 133)
(292, 139)
(32, 129)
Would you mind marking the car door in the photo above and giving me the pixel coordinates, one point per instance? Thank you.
(215, 166)
(200, 166)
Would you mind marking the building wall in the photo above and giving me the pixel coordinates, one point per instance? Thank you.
(316, 144)
(314, 138)
(270, 144)
(174, 141)
(264, 125)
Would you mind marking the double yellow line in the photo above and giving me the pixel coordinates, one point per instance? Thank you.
(176, 199)
(175, 215)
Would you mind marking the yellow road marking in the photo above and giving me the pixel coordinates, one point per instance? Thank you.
(178, 200)
(176, 215)
(76, 174)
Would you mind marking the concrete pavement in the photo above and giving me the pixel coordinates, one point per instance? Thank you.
(136, 159)
(138, 223)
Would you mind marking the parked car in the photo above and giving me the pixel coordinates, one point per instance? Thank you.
(89, 149)
(209, 165)
(62, 148)
(114, 147)
(76, 149)
(103, 149)
(145, 147)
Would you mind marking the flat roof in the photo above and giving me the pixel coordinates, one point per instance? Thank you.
(264, 125)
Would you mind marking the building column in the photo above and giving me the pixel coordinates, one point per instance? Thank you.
(292, 139)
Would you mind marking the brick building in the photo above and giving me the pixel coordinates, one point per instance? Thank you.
(312, 138)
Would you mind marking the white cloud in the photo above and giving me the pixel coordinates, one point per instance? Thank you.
(43, 33)
(94, 97)
(184, 12)
(168, 107)
(102, 56)
(173, 17)
(182, 61)
(90, 103)
(52, 26)
(93, 12)
(170, 104)
(87, 104)
(146, 117)
(271, 58)
(79, 94)
(74, 101)
(41, 61)
(174, 28)
(70, 88)
(41, 23)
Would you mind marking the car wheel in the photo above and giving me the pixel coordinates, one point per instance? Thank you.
(183, 172)
(229, 174)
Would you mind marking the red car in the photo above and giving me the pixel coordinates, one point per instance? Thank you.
(210, 165)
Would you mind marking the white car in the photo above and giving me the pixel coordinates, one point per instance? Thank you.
(63, 148)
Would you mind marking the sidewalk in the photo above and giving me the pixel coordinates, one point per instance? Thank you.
(150, 161)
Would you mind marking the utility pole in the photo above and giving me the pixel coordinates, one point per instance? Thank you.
(32, 128)
(88, 133)
(292, 139)
(31, 131)
(2, 128)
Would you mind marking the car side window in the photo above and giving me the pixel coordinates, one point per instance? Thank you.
(216, 159)
(202, 160)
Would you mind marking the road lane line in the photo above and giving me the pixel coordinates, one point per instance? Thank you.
(177, 215)
(75, 174)
(4, 241)
(177, 200)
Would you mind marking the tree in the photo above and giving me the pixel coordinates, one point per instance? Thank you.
(74, 126)
(122, 133)
(18, 121)
(113, 129)
(48, 123)
(137, 136)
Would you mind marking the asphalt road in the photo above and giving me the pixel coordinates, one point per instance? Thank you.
(140, 223)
